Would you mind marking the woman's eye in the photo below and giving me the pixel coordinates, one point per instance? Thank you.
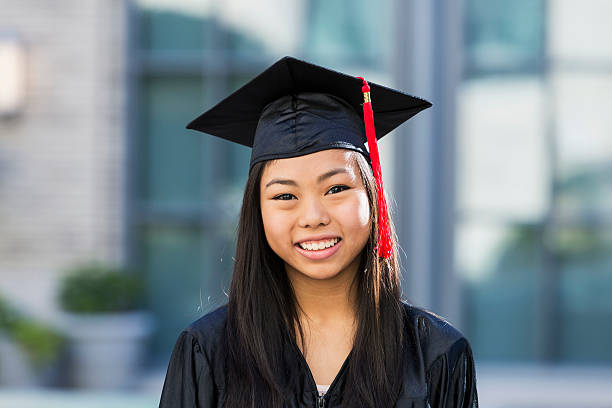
(337, 189)
(283, 197)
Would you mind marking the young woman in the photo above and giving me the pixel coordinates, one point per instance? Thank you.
(315, 317)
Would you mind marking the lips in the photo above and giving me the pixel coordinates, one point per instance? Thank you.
(317, 254)
(314, 245)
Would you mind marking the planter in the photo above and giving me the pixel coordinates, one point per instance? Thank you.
(15, 369)
(106, 350)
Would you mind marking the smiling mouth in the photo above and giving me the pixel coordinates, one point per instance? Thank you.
(319, 245)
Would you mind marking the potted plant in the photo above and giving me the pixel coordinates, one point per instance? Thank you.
(30, 350)
(106, 324)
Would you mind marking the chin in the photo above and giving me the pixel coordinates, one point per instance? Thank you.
(317, 272)
(318, 275)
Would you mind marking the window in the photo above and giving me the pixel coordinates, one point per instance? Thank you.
(187, 188)
(534, 226)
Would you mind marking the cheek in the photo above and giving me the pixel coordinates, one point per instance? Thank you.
(357, 216)
(274, 224)
(363, 209)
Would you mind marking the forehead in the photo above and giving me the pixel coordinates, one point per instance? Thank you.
(312, 164)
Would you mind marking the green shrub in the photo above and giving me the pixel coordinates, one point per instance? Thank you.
(41, 343)
(8, 316)
(98, 288)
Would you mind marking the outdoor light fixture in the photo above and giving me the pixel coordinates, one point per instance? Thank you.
(12, 75)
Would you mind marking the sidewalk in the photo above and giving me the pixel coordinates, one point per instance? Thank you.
(48, 398)
(506, 386)
(145, 396)
(531, 386)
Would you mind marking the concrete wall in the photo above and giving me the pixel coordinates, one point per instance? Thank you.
(61, 159)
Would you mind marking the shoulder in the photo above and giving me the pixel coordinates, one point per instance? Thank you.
(210, 324)
(194, 366)
(207, 331)
(434, 335)
(430, 325)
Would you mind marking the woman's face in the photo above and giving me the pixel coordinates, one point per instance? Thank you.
(316, 213)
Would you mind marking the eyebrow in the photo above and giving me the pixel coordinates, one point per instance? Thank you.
(322, 177)
(331, 173)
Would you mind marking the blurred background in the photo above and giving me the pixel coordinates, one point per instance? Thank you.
(117, 225)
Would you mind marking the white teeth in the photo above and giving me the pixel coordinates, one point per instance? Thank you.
(318, 245)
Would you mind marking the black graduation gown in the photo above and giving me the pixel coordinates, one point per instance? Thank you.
(438, 367)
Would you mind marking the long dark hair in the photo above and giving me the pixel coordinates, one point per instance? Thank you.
(263, 312)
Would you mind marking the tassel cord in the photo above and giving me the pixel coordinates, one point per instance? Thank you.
(384, 235)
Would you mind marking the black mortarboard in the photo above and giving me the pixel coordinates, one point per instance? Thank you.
(295, 108)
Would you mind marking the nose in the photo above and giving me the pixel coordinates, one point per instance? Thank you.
(313, 213)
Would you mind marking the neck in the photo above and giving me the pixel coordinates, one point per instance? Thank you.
(325, 301)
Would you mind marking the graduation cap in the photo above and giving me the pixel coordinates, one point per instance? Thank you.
(295, 108)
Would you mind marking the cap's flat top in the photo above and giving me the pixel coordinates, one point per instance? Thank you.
(236, 117)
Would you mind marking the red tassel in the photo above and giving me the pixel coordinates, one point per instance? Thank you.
(385, 247)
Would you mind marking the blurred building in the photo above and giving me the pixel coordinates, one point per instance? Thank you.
(62, 164)
(502, 192)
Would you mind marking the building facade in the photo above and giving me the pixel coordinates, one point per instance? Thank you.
(501, 192)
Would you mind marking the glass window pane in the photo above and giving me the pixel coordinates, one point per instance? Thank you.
(585, 257)
(171, 154)
(188, 271)
(584, 137)
(351, 31)
(173, 258)
(502, 167)
(274, 27)
(504, 35)
(500, 265)
(167, 26)
(580, 30)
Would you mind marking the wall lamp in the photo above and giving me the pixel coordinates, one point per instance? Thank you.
(12, 75)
